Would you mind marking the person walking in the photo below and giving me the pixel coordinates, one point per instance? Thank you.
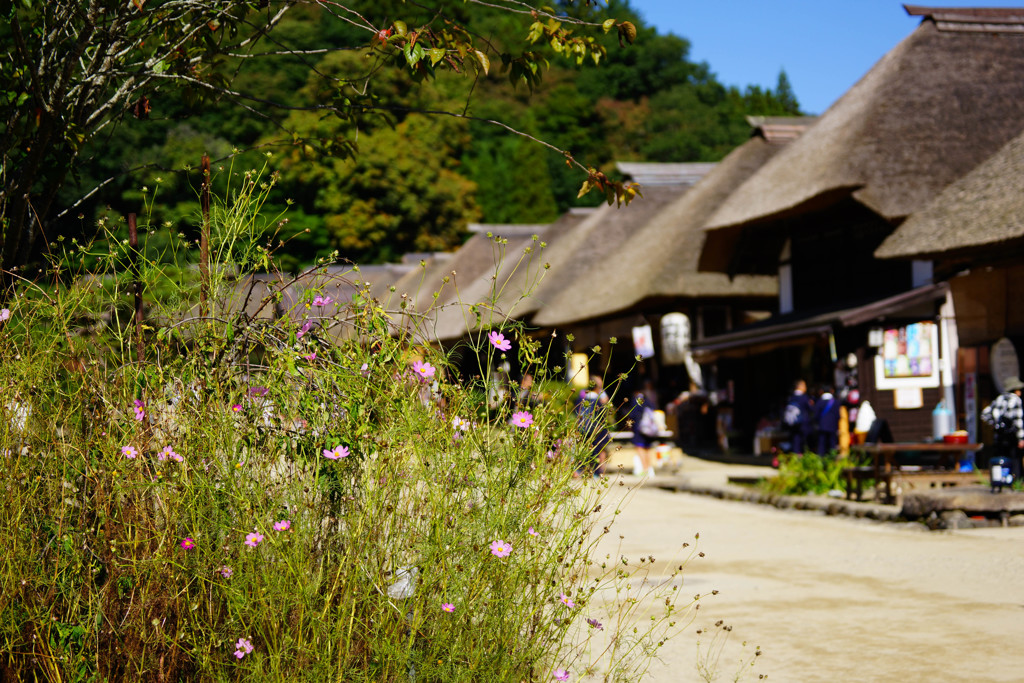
(797, 417)
(640, 419)
(1006, 415)
(592, 422)
(826, 417)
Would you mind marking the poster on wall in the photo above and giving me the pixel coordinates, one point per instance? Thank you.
(907, 351)
(908, 357)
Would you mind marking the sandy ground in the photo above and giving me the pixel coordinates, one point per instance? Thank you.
(831, 598)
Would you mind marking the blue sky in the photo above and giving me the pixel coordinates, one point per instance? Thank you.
(825, 46)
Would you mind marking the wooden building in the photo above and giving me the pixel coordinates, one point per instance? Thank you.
(942, 101)
(974, 234)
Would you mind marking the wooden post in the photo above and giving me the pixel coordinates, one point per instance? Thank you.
(133, 242)
(204, 240)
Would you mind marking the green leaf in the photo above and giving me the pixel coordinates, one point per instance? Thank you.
(414, 54)
(436, 55)
(401, 28)
(608, 24)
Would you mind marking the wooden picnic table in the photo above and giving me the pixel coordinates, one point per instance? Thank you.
(884, 469)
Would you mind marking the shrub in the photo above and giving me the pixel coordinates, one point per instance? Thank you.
(309, 495)
(808, 473)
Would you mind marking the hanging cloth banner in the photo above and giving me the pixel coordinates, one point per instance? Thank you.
(675, 346)
(675, 338)
(643, 341)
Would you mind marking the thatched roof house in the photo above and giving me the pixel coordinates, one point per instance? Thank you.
(508, 286)
(658, 263)
(429, 289)
(939, 103)
(974, 234)
(981, 212)
(585, 264)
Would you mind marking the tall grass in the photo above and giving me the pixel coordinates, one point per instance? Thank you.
(310, 495)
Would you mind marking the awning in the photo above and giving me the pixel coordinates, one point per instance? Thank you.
(811, 326)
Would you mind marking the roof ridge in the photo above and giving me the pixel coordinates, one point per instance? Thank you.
(989, 19)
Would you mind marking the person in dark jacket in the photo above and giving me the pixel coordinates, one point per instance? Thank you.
(826, 416)
(797, 417)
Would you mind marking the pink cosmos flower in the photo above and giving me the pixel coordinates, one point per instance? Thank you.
(424, 370)
(522, 419)
(242, 648)
(140, 410)
(595, 624)
(560, 675)
(566, 600)
(237, 408)
(168, 453)
(460, 425)
(226, 571)
(188, 544)
(310, 357)
(304, 329)
(254, 539)
(129, 452)
(498, 341)
(5, 313)
(501, 549)
(283, 525)
(364, 370)
(258, 392)
(338, 452)
(531, 531)
(448, 607)
(322, 301)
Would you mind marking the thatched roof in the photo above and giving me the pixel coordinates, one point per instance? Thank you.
(940, 102)
(660, 258)
(507, 287)
(477, 259)
(655, 173)
(585, 259)
(985, 208)
(380, 277)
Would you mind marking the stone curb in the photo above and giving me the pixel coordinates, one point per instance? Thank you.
(828, 506)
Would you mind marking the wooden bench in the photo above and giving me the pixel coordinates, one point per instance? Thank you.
(663, 435)
(885, 470)
(906, 479)
(923, 479)
(856, 476)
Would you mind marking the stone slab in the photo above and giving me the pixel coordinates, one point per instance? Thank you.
(973, 500)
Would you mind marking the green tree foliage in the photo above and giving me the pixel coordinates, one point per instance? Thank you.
(400, 193)
(513, 183)
(72, 70)
(334, 81)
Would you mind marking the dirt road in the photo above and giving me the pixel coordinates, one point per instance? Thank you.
(835, 598)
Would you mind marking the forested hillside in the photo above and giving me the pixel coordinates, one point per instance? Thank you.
(426, 159)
